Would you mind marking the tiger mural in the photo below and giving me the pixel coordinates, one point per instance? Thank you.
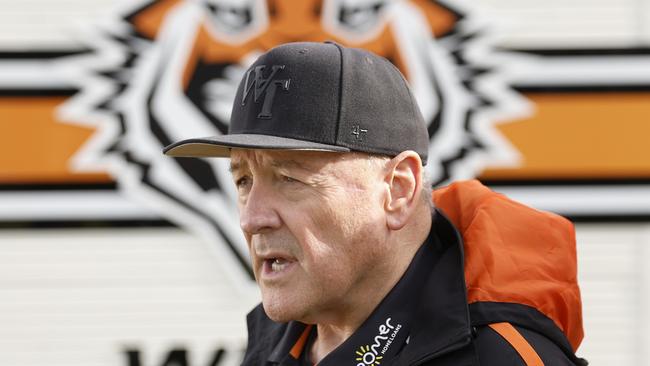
(168, 70)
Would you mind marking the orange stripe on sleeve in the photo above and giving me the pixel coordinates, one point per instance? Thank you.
(518, 342)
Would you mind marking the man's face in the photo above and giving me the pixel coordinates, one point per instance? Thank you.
(315, 227)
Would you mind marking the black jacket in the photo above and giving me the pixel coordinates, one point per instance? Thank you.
(449, 329)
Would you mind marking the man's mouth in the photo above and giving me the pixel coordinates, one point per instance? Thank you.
(278, 264)
(274, 266)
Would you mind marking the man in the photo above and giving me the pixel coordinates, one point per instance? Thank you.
(355, 266)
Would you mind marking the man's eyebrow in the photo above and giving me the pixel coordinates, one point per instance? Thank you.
(280, 163)
(235, 166)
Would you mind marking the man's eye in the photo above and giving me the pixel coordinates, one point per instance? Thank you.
(242, 182)
(289, 179)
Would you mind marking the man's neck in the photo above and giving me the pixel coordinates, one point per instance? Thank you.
(327, 339)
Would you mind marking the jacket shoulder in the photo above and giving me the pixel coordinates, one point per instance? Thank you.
(493, 349)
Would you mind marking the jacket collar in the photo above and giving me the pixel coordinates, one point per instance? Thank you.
(443, 317)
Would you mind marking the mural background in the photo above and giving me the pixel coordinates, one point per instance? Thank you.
(111, 254)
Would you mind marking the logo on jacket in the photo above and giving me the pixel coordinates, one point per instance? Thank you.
(371, 355)
(367, 357)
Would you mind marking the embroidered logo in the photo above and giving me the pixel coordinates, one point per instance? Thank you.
(358, 132)
(262, 86)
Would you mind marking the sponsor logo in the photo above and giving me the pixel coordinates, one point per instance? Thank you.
(372, 355)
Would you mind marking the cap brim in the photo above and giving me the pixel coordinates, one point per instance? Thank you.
(219, 146)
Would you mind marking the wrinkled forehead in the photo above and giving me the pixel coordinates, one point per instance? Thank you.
(312, 161)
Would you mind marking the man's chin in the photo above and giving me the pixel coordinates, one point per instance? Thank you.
(281, 310)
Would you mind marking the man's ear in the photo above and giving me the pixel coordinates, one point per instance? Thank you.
(404, 180)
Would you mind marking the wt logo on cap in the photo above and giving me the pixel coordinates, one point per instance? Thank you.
(266, 87)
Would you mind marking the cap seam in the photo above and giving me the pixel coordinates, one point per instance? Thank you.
(338, 115)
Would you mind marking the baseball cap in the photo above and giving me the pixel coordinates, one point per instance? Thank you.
(318, 96)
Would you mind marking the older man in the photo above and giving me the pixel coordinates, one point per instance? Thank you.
(355, 266)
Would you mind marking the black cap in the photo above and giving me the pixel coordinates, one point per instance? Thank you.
(318, 96)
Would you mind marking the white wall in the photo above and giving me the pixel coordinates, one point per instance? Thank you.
(80, 297)
(615, 286)
(573, 23)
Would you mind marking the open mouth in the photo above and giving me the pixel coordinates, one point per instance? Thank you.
(276, 265)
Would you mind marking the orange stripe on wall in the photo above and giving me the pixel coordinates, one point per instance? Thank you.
(36, 148)
(149, 21)
(570, 136)
(581, 136)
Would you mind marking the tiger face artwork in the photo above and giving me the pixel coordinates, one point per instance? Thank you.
(168, 70)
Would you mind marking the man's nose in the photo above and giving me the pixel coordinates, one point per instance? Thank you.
(259, 213)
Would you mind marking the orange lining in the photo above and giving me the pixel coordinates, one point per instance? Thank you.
(296, 350)
(518, 342)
